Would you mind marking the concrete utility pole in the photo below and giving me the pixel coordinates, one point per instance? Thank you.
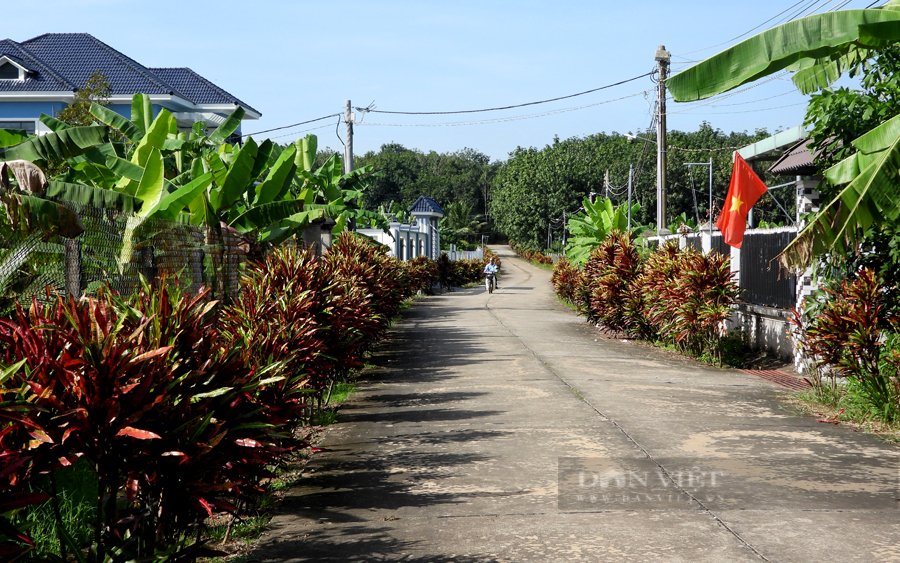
(662, 58)
(348, 148)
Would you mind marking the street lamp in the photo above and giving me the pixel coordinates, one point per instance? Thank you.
(631, 137)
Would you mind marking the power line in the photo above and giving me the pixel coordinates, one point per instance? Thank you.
(775, 17)
(743, 34)
(752, 110)
(502, 120)
(293, 125)
(669, 98)
(303, 131)
(503, 107)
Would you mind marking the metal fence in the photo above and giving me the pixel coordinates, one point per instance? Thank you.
(763, 281)
(465, 254)
(115, 249)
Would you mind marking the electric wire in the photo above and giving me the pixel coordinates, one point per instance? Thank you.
(364, 110)
(752, 110)
(743, 34)
(735, 93)
(775, 17)
(502, 120)
(292, 125)
(299, 132)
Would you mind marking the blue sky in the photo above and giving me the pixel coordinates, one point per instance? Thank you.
(296, 61)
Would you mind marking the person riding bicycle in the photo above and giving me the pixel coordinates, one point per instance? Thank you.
(492, 268)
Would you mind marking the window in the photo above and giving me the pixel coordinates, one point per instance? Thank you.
(9, 72)
(27, 126)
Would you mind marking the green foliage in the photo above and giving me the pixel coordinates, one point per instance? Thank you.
(97, 90)
(853, 334)
(463, 176)
(461, 225)
(590, 229)
(819, 46)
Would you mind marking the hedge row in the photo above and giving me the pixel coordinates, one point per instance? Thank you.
(176, 407)
(673, 296)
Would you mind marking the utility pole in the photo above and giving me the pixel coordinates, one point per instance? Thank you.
(348, 147)
(662, 59)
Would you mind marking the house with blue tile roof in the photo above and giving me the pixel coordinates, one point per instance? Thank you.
(41, 75)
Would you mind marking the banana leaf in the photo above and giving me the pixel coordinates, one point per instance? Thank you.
(262, 216)
(279, 179)
(870, 198)
(238, 179)
(52, 123)
(10, 137)
(813, 37)
(227, 127)
(141, 112)
(306, 152)
(59, 145)
(263, 154)
(116, 121)
(50, 217)
(151, 188)
(92, 196)
(171, 205)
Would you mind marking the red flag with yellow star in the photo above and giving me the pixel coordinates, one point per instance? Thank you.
(743, 192)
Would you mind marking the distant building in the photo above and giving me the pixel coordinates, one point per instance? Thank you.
(41, 75)
(421, 238)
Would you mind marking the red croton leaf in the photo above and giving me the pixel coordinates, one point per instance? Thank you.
(205, 505)
(138, 433)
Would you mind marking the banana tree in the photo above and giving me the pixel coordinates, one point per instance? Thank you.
(594, 226)
(819, 49)
(326, 193)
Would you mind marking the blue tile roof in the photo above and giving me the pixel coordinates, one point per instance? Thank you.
(198, 89)
(425, 205)
(76, 56)
(42, 77)
(63, 62)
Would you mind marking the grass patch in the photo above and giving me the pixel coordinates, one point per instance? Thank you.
(548, 267)
(76, 493)
(341, 392)
(244, 530)
(567, 304)
(845, 404)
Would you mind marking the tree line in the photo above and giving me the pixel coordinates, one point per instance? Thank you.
(528, 192)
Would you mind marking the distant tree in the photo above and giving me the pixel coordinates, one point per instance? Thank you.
(97, 90)
(463, 176)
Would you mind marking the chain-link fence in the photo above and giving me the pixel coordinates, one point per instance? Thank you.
(115, 249)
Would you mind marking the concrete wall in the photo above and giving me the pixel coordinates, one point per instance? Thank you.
(766, 329)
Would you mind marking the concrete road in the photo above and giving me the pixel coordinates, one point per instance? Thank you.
(503, 428)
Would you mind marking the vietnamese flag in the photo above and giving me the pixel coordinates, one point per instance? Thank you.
(743, 192)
